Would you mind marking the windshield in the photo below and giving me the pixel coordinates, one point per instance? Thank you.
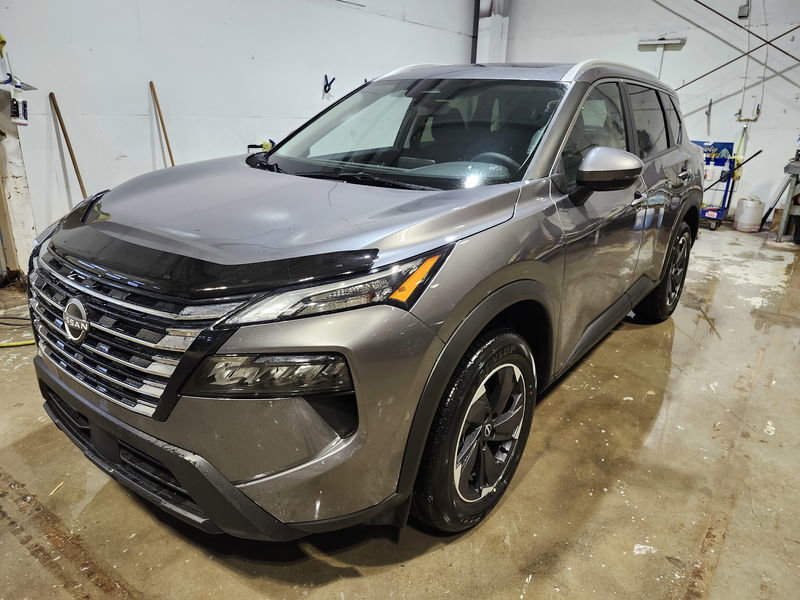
(429, 133)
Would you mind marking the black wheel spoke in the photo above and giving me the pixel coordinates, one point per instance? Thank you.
(466, 461)
(498, 398)
(469, 444)
(506, 424)
(490, 468)
(479, 410)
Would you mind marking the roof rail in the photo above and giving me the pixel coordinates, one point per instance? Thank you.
(403, 68)
(595, 62)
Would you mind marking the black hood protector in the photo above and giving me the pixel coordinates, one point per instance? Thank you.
(174, 275)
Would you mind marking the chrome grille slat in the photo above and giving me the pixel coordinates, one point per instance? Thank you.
(130, 350)
(182, 346)
(155, 368)
(146, 388)
(175, 340)
(115, 342)
(138, 407)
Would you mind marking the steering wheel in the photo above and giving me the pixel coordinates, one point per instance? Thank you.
(499, 159)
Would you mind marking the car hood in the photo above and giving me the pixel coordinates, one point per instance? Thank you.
(220, 225)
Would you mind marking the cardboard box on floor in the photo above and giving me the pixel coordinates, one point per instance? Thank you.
(776, 221)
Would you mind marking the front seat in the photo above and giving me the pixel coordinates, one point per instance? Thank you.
(513, 137)
(449, 132)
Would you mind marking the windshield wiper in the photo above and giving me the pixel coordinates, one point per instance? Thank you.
(368, 179)
(260, 160)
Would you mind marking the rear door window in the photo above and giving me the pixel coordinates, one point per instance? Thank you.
(675, 133)
(651, 128)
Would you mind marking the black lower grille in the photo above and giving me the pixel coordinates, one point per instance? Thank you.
(137, 466)
(77, 424)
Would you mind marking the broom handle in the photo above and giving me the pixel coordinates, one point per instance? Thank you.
(57, 111)
(161, 120)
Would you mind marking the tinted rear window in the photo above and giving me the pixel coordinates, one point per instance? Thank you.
(675, 133)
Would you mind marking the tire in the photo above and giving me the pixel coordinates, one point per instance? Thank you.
(662, 301)
(491, 427)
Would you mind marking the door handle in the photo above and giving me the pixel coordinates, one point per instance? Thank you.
(639, 198)
(685, 174)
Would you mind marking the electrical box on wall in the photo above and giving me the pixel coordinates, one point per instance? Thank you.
(744, 10)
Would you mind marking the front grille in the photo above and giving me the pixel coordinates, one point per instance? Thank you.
(135, 340)
(138, 467)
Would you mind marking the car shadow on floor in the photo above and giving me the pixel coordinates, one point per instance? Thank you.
(314, 560)
(323, 558)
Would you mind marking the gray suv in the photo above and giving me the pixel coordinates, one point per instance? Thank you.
(355, 325)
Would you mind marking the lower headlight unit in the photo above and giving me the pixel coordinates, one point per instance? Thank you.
(259, 376)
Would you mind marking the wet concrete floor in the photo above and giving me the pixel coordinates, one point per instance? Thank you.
(664, 466)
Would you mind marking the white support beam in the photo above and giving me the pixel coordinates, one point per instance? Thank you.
(492, 39)
(16, 210)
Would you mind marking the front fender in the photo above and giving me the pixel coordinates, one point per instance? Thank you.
(455, 348)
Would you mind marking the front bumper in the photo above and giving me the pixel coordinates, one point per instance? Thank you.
(263, 469)
(181, 483)
(177, 481)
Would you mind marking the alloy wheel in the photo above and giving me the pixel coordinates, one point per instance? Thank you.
(677, 270)
(489, 434)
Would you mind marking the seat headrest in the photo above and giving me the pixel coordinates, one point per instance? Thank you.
(446, 123)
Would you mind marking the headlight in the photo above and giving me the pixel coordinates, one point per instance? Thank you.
(255, 375)
(399, 284)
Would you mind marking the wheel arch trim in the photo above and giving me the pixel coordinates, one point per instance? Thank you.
(692, 202)
(452, 353)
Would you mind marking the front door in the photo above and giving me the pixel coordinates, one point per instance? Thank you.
(602, 234)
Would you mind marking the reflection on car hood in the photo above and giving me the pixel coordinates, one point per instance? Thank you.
(212, 219)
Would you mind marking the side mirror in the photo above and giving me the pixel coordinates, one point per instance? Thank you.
(605, 169)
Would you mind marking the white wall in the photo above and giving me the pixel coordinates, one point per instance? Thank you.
(228, 74)
(573, 30)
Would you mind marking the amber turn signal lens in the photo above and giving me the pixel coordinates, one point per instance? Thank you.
(407, 288)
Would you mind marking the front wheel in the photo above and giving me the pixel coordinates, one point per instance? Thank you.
(663, 300)
(478, 433)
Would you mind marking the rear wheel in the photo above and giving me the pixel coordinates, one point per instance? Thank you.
(478, 433)
(663, 300)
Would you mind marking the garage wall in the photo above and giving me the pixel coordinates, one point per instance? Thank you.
(574, 30)
(228, 74)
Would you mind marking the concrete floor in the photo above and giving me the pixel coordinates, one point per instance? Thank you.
(664, 466)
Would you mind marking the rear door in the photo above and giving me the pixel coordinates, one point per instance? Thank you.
(602, 236)
(658, 134)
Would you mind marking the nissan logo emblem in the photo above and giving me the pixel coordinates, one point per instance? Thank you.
(75, 322)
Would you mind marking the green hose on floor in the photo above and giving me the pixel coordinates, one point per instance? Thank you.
(16, 344)
(24, 322)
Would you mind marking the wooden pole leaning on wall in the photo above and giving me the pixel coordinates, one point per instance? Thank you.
(157, 104)
(57, 111)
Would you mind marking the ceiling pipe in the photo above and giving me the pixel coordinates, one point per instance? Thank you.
(754, 34)
(725, 64)
(475, 19)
